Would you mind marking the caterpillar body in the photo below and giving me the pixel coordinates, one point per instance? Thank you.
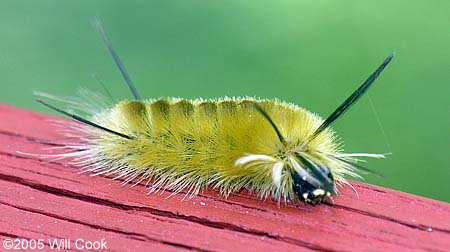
(269, 147)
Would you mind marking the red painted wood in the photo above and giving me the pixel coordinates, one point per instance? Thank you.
(50, 200)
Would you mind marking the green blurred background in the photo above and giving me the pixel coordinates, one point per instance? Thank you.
(310, 52)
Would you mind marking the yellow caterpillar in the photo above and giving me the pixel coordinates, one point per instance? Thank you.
(269, 147)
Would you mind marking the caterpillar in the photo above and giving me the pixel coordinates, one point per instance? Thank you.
(270, 147)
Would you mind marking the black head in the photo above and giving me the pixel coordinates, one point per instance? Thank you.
(316, 188)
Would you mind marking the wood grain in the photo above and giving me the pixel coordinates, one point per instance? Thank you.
(46, 200)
